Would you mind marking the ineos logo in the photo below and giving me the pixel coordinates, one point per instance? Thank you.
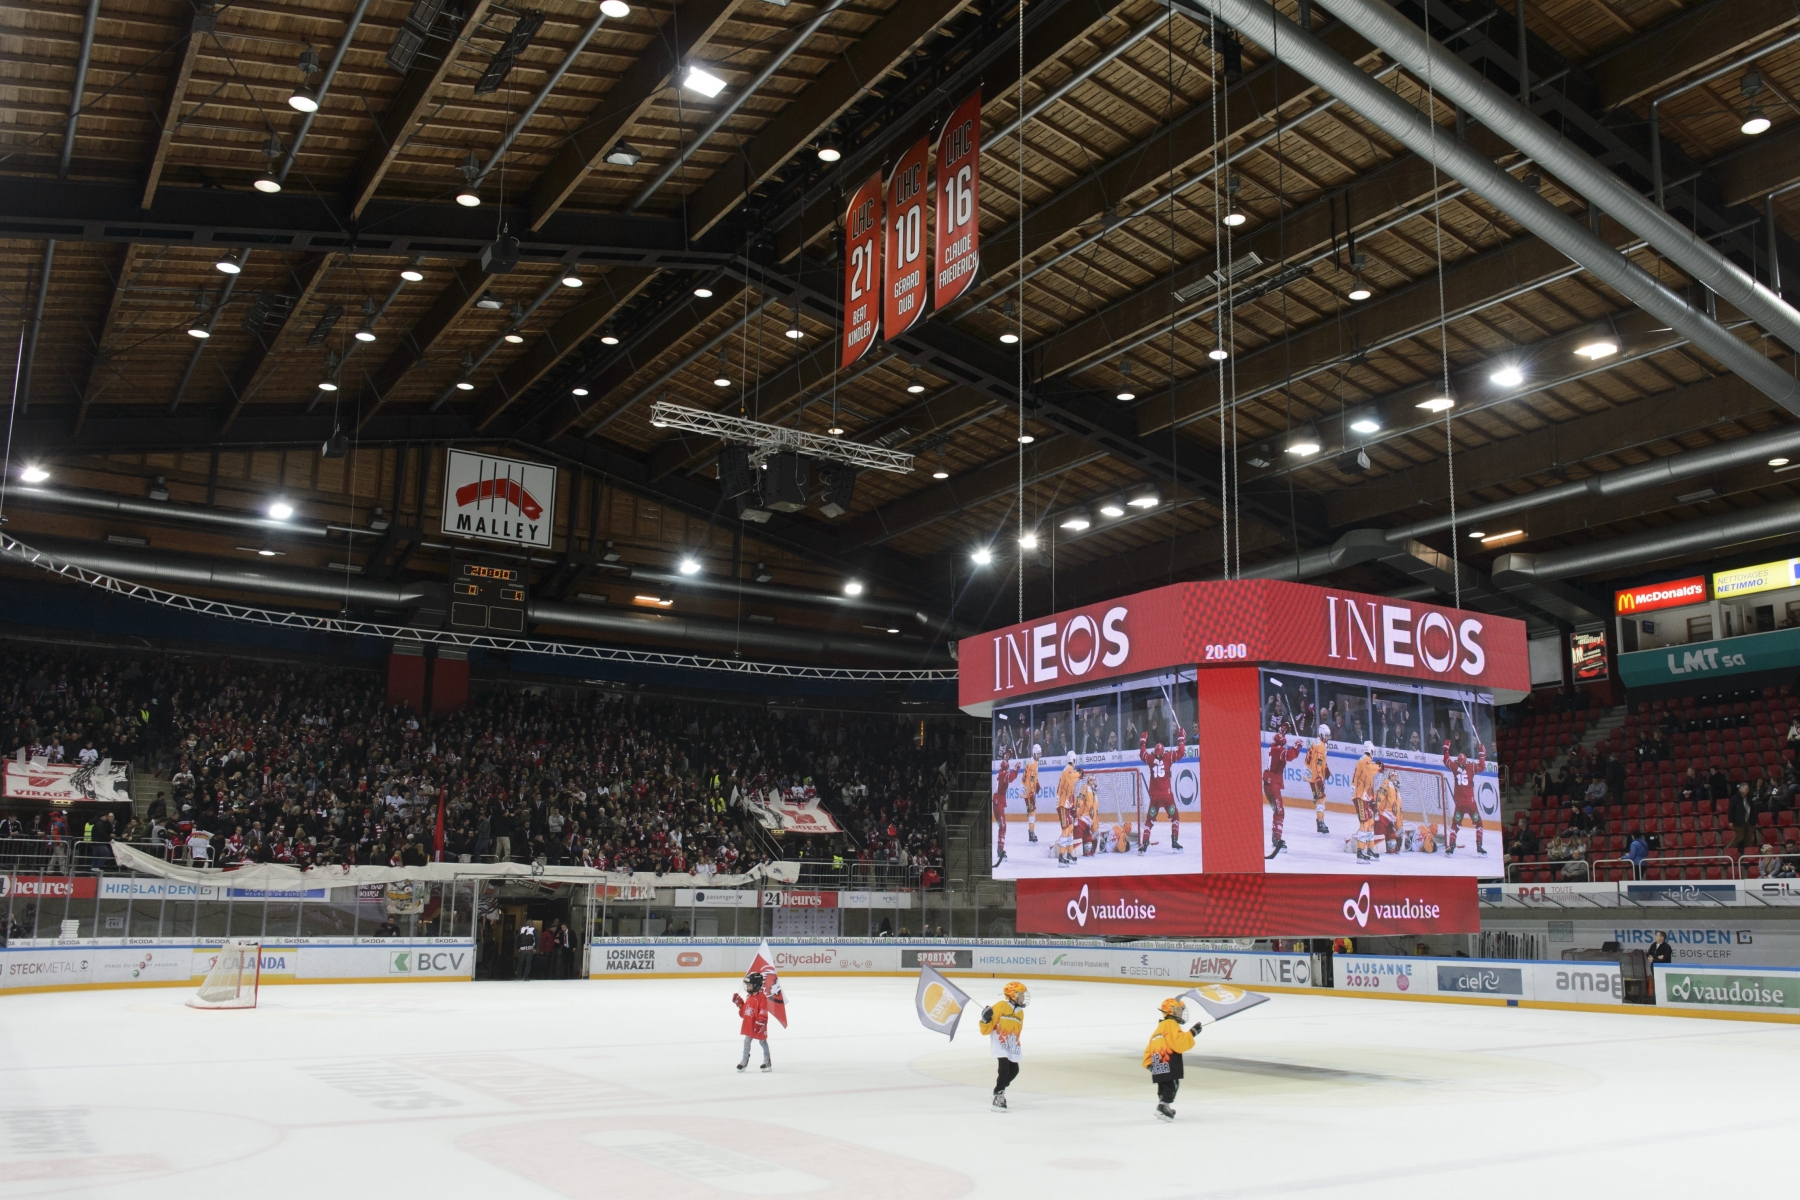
(1358, 909)
(1388, 634)
(1044, 653)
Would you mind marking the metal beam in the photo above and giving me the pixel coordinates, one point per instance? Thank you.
(78, 90)
(886, 45)
(28, 353)
(219, 219)
(351, 25)
(411, 103)
(1686, 43)
(255, 368)
(100, 371)
(465, 285)
(196, 25)
(694, 22)
(574, 327)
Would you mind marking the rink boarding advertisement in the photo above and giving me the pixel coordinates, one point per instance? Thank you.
(1248, 906)
(45, 963)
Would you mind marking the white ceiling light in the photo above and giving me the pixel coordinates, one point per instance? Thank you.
(199, 330)
(699, 79)
(468, 197)
(1436, 404)
(915, 388)
(1597, 345)
(1009, 338)
(1148, 498)
(304, 100)
(940, 474)
(1477, 534)
(578, 391)
(703, 292)
(1111, 508)
(624, 155)
(828, 152)
(34, 473)
(327, 385)
(1028, 540)
(1025, 439)
(364, 334)
(231, 264)
(982, 556)
(1304, 442)
(463, 385)
(1755, 121)
(1497, 539)
(609, 339)
(267, 183)
(1359, 291)
(1125, 393)
(1365, 423)
(618, 10)
(570, 278)
(1218, 354)
(689, 566)
(1235, 217)
(513, 336)
(853, 588)
(1077, 520)
(1778, 462)
(1508, 376)
(413, 275)
(281, 510)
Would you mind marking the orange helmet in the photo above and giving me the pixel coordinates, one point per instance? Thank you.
(1174, 1009)
(1016, 993)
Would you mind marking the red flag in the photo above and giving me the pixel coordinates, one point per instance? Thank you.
(862, 269)
(764, 965)
(903, 292)
(440, 826)
(958, 200)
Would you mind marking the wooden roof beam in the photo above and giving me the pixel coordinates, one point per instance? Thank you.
(196, 26)
(459, 294)
(611, 292)
(255, 368)
(1703, 37)
(410, 104)
(887, 44)
(694, 22)
(100, 371)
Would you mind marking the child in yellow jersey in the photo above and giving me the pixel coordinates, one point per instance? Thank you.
(1031, 792)
(1004, 1022)
(1162, 1057)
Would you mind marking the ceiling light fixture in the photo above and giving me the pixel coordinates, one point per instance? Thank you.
(231, 264)
(1077, 520)
(570, 278)
(836, 431)
(1601, 343)
(1028, 540)
(703, 292)
(1436, 404)
(304, 99)
(609, 339)
(464, 385)
(1359, 291)
(1125, 392)
(578, 391)
(1498, 539)
(1148, 498)
(1304, 442)
(689, 566)
(1778, 462)
(828, 151)
(33, 473)
(412, 274)
(699, 79)
(722, 379)
(618, 10)
(364, 334)
(793, 332)
(1111, 508)
(624, 154)
(1025, 439)
(1218, 354)
(1011, 313)
(199, 330)
(1508, 376)
(940, 474)
(281, 510)
(853, 587)
(915, 388)
(1365, 423)
(982, 556)
(1477, 534)
(328, 385)
(267, 183)
(1755, 121)
(513, 336)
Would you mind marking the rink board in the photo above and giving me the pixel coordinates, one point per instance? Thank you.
(175, 962)
(615, 958)
(1500, 981)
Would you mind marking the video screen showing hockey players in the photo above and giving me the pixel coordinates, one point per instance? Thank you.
(1100, 782)
(1359, 778)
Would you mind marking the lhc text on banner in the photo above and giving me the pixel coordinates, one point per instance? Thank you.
(862, 269)
(903, 292)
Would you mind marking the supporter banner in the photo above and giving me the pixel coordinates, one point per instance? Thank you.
(958, 250)
(1567, 982)
(499, 499)
(903, 289)
(1673, 594)
(862, 269)
(97, 963)
(49, 887)
(1243, 622)
(1249, 906)
(792, 813)
(1765, 990)
(106, 782)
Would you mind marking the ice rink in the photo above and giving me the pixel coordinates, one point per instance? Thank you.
(626, 1089)
(1026, 859)
(1310, 852)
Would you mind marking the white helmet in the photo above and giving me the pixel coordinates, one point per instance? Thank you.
(1368, 747)
(1324, 733)
(1036, 749)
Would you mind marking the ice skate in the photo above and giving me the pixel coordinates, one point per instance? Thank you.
(1173, 844)
(1031, 835)
(742, 1065)
(1001, 859)
(999, 1102)
(1481, 852)
(768, 1067)
(1324, 828)
(1164, 1113)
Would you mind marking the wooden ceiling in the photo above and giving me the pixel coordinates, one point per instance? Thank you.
(1144, 132)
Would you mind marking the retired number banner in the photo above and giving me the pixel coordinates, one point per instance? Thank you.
(958, 247)
(862, 269)
(903, 295)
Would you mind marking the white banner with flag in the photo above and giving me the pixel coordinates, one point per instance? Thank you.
(764, 964)
(940, 1002)
(1216, 1001)
(795, 811)
(106, 782)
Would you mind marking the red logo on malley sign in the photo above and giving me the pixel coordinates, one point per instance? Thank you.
(1241, 623)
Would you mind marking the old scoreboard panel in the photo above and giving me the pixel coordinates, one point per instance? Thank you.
(486, 595)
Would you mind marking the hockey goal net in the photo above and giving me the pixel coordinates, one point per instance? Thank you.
(1119, 794)
(234, 978)
(1424, 796)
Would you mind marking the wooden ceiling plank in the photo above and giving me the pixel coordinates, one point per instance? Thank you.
(196, 26)
(469, 281)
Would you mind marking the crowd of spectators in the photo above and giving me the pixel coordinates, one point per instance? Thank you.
(300, 764)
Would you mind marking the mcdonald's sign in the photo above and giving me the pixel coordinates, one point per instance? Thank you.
(1672, 594)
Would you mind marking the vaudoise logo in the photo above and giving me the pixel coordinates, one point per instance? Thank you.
(1120, 910)
(1408, 909)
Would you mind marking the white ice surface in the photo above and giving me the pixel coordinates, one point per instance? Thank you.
(1310, 852)
(1026, 859)
(626, 1090)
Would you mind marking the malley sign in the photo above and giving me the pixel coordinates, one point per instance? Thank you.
(499, 499)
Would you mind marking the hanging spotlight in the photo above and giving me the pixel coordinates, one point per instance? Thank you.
(836, 430)
(464, 385)
(571, 278)
(468, 197)
(982, 556)
(281, 510)
(828, 150)
(699, 79)
(231, 264)
(1125, 392)
(1365, 422)
(1477, 534)
(364, 334)
(1778, 462)
(578, 391)
(940, 474)
(412, 274)
(853, 587)
(624, 155)
(1359, 291)
(609, 339)
(1011, 313)
(1077, 520)
(793, 332)
(618, 10)
(1755, 121)
(703, 292)
(1234, 216)
(689, 566)
(1145, 498)
(1218, 354)
(513, 336)
(304, 99)
(915, 387)
(1304, 442)
(1028, 540)
(1597, 344)
(722, 379)
(1508, 376)
(267, 183)
(1025, 439)
(33, 473)
(197, 329)
(1436, 404)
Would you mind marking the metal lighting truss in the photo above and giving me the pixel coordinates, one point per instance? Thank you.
(773, 439)
(12, 548)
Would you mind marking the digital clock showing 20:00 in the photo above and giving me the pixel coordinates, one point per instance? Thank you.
(479, 572)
